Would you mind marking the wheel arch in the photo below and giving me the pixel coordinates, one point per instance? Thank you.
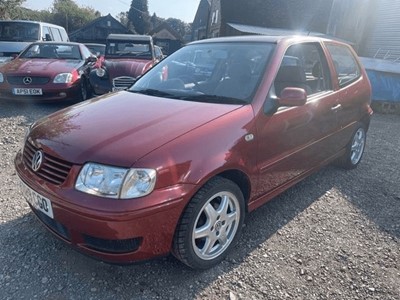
(241, 180)
(366, 120)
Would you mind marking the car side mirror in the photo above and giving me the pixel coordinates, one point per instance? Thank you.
(91, 58)
(292, 96)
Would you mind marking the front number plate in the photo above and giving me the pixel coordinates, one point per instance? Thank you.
(37, 201)
(26, 91)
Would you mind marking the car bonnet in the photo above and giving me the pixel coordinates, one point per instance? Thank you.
(118, 129)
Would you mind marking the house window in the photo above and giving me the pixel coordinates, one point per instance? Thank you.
(214, 19)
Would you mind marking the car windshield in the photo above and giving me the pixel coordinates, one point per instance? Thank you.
(19, 32)
(129, 49)
(211, 72)
(52, 51)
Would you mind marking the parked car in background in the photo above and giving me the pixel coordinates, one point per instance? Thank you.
(15, 35)
(185, 153)
(126, 57)
(96, 49)
(48, 71)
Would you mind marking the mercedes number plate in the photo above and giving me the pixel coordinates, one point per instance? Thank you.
(27, 91)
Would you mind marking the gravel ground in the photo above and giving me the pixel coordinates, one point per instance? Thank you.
(335, 235)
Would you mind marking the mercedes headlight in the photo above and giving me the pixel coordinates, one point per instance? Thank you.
(63, 78)
(114, 182)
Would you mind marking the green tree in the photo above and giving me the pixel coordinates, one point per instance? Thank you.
(10, 9)
(123, 18)
(69, 15)
(138, 16)
(155, 21)
(181, 27)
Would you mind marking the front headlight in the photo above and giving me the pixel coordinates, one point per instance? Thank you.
(1, 78)
(113, 182)
(63, 78)
(100, 72)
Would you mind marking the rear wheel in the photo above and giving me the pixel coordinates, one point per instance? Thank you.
(355, 149)
(210, 225)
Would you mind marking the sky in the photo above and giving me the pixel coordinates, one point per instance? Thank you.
(184, 10)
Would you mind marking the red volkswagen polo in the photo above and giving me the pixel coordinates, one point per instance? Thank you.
(212, 132)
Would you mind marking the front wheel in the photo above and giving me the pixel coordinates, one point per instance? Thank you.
(83, 90)
(355, 149)
(210, 224)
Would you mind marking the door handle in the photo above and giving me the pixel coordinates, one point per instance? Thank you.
(336, 108)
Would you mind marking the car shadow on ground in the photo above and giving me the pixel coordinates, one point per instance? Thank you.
(376, 192)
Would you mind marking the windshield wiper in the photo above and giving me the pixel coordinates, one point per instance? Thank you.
(152, 92)
(213, 99)
(192, 97)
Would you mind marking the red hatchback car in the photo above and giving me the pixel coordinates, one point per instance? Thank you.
(48, 71)
(209, 134)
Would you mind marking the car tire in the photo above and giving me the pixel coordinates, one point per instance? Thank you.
(83, 90)
(210, 224)
(354, 149)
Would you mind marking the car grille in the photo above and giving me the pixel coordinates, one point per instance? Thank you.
(53, 170)
(123, 82)
(112, 246)
(20, 80)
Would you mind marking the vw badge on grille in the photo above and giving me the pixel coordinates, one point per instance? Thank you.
(27, 80)
(37, 160)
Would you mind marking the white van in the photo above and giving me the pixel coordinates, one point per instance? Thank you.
(15, 35)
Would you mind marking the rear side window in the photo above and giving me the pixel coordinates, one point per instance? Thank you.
(56, 34)
(64, 36)
(346, 66)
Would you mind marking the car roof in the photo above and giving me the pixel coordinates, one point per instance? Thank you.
(57, 43)
(125, 37)
(262, 38)
(94, 44)
(31, 22)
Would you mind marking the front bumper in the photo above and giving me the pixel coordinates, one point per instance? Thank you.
(103, 85)
(100, 85)
(50, 93)
(116, 231)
